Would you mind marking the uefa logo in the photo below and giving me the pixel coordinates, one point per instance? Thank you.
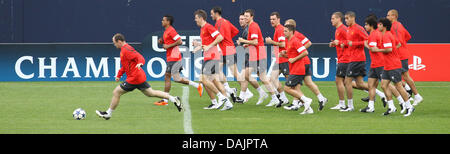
(417, 64)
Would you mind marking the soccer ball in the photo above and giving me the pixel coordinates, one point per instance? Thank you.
(79, 114)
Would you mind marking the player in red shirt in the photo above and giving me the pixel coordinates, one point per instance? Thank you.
(392, 68)
(171, 40)
(257, 59)
(296, 53)
(228, 51)
(356, 36)
(308, 79)
(210, 37)
(401, 34)
(132, 62)
(281, 63)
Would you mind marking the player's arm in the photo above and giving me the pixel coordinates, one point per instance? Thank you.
(250, 42)
(364, 37)
(135, 56)
(178, 42)
(218, 39)
(303, 53)
(119, 74)
(280, 44)
(234, 30)
(387, 48)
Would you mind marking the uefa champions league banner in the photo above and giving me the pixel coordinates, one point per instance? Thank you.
(101, 61)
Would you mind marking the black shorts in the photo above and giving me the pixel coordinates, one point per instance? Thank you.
(392, 75)
(307, 69)
(130, 87)
(341, 70)
(405, 67)
(209, 67)
(283, 67)
(376, 72)
(356, 69)
(258, 66)
(229, 60)
(294, 80)
(174, 67)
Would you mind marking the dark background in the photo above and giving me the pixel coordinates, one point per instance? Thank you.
(49, 21)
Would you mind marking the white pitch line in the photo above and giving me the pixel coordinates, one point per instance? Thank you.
(187, 111)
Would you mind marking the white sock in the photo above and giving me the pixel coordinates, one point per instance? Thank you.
(248, 92)
(220, 95)
(379, 93)
(350, 103)
(304, 98)
(400, 99)
(407, 87)
(342, 102)
(242, 94)
(391, 104)
(260, 90)
(274, 97)
(172, 99)
(193, 84)
(408, 104)
(417, 96)
(109, 111)
(214, 101)
(165, 100)
(371, 104)
(295, 102)
(320, 97)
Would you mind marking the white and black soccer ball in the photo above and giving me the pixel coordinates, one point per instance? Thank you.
(79, 114)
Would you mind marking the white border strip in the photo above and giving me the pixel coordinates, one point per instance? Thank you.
(187, 111)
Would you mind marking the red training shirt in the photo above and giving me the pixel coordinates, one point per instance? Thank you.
(208, 34)
(342, 53)
(391, 59)
(278, 36)
(357, 35)
(256, 52)
(228, 31)
(304, 40)
(129, 58)
(294, 47)
(403, 36)
(377, 59)
(170, 36)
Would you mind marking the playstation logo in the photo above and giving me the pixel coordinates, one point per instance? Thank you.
(417, 64)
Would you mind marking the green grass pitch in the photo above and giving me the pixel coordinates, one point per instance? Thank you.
(46, 107)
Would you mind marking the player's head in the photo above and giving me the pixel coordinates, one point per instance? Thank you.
(290, 22)
(249, 14)
(392, 15)
(371, 23)
(167, 20)
(200, 17)
(274, 19)
(336, 18)
(242, 20)
(289, 30)
(384, 24)
(118, 40)
(350, 18)
(216, 12)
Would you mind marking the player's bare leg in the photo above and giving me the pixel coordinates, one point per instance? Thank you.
(149, 92)
(388, 94)
(274, 94)
(406, 104)
(341, 93)
(298, 94)
(417, 97)
(349, 89)
(315, 89)
(117, 92)
(207, 81)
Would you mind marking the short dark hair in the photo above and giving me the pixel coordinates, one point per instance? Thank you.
(169, 18)
(275, 14)
(119, 37)
(386, 23)
(251, 11)
(350, 13)
(339, 15)
(201, 13)
(291, 28)
(242, 14)
(371, 20)
(217, 9)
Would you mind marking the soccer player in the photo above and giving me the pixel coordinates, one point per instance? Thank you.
(403, 36)
(281, 64)
(392, 68)
(296, 53)
(210, 37)
(257, 59)
(171, 40)
(132, 62)
(308, 79)
(356, 69)
(247, 94)
(229, 57)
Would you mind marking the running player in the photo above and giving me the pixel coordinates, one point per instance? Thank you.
(257, 59)
(247, 94)
(403, 36)
(229, 57)
(171, 40)
(281, 64)
(132, 62)
(296, 53)
(308, 79)
(392, 68)
(210, 37)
